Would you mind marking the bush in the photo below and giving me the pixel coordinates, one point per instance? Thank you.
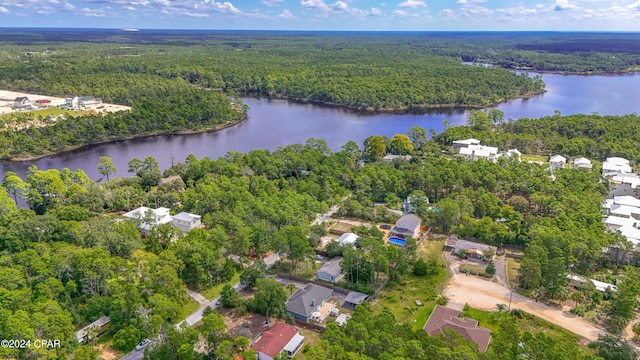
(491, 268)
(127, 338)
(420, 268)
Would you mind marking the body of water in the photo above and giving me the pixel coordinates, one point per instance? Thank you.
(274, 123)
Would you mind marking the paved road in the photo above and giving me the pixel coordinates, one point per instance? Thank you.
(190, 320)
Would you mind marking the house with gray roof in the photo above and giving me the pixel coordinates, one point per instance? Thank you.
(307, 301)
(331, 271)
(186, 221)
(408, 225)
(22, 102)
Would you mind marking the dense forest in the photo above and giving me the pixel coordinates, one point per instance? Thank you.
(74, 260)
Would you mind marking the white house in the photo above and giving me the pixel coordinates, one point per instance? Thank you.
(148, 218)
(621, 184)
(465, 143)
(22, 102)
(582, 163)
(616, 165)
(391, 157)
(347, 239)
(557, 162)
(72, 101)
(186, 221)
(477, 152)
(88, 101)
(408, 225)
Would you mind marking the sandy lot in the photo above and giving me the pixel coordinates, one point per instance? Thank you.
(485, 294)
(7, 97)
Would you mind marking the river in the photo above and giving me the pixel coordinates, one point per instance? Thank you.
(274, 123)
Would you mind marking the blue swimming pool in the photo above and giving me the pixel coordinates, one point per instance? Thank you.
(397, 241)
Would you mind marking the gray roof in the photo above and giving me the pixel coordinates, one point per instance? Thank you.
(332, 267)
(307, 300)
(185, 216)
(407, 224)
(82, 333)
(355, 297)
(21, 98)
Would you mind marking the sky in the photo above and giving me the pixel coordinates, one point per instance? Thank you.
(401, 15)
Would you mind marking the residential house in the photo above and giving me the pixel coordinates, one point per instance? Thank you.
(557, 162)
(88, 101)
(614, 165)
(353, 299)
(281, 337)
(331, 271)
(391, 157)
(457, 144)
(582, 163)
(443, 318)
(408, 225)
(477, 152)
(415, 202)
(22, 102)
(347, 239)
(186, 221)
(306, 301)
(72, 101)
(621, 184)
(148, 218)
(96, 328)
(474, 250)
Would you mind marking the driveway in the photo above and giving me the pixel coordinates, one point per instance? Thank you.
(484, 294)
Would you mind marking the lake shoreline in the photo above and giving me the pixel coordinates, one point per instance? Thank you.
(20, 159)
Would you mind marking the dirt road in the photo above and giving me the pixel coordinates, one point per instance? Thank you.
(485, 294)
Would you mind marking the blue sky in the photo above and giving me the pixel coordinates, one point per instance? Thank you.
(592, 15)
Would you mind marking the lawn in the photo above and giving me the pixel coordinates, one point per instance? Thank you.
(528, 157)
(472, 268)
(188, 308)
(40, 113)
(512, 270)
(213, 292)
(401, 298)
(311, 338)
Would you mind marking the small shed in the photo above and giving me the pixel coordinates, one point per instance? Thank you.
(354, 298)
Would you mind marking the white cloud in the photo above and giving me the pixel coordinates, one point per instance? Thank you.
(561, 5)
(271, 2)
(470, 1)
(413, 4)
(401, 12)
(447, 14)
(315, 4)
(375, 11)
(471, 9)
(4, 10)
(520, 10)
(92, 12)
(286, 14)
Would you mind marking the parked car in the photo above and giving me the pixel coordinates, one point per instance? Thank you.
(143, 344)
(319, 257)
(385, 226)
(218, 302)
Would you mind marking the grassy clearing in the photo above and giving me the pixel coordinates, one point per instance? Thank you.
(40, 113)
(188, 308)
(213, 292)
(400, 298)
(512, 270)
(311, 338)
(472, 268)
(430, 248)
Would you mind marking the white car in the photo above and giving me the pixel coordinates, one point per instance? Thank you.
(143, 344)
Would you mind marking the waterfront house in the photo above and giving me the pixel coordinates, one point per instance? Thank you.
(148, 218)
(457, 144)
